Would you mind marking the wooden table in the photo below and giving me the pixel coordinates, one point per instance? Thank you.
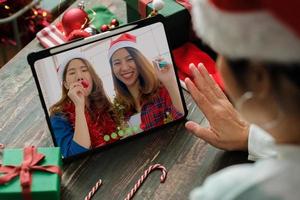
(188, 159)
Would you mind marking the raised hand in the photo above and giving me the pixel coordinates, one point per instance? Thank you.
(227, 129)
(77, 94)
(164, 72)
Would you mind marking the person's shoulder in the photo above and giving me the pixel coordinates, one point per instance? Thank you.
(58, 117)
(274, 174)
(224, 182)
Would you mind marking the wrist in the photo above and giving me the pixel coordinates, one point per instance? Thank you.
(79, 108)
(168, 84)
(245, 136)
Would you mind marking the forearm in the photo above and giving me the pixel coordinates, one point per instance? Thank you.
(81, 134)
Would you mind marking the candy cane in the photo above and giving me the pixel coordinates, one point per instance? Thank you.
(144, 176)
(93, 190)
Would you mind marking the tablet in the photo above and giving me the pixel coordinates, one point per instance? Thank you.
(107, 88)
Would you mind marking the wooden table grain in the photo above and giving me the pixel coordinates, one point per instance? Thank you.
(188, 159)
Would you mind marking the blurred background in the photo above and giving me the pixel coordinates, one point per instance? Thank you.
(20, 20)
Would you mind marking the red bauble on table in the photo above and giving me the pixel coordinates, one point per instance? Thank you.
(104, 28)
(74, 19)
(114, 22)
(78, 34)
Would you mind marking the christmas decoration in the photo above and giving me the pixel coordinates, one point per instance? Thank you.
(95, 126)
(38, 19)
(93, 190)
(101, 15)
(30, 23)
(18, 168)
(119, 111)
(137, 185)
(78, 34)
(144, 176)
(74, 19)
(8, 7)
(168, 118)
(51, 36)
(113, 24)
(190, 53)
(91, 30)
(177, 17)
(157, 5)
(104, 28)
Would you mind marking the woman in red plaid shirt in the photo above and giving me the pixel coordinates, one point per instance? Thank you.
(149, 94)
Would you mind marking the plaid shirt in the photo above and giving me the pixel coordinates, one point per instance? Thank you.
(155, 111)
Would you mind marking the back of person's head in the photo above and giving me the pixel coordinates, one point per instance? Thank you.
(258, 40)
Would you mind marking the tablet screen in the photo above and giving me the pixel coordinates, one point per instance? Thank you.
(108, 90)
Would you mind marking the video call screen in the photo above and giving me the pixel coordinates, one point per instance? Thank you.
(111, 89)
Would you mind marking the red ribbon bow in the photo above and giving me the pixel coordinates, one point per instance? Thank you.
(29, 164)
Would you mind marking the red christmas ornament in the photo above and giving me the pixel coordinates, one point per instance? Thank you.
(114, 22)
(104, 28)
(74, 19)
(78, 34)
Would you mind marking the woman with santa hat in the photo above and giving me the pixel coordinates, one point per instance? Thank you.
(84, 114)
(258, 43)
(146, 89)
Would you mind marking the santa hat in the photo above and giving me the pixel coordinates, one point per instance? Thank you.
(125, 40)
(262, 30)
(64, 61)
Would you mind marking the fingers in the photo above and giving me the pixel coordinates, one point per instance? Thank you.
(202, 84)
(210, 82)
(198, 97)
(75, 84)
(200, 132)
(77, 88)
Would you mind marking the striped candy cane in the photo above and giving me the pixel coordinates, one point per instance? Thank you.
(93, 190)
(144, 176)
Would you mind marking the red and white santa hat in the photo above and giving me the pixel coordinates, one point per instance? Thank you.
(262, 30)
(125, 40)
(65, 59)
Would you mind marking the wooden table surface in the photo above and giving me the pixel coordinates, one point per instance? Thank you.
(188, 159)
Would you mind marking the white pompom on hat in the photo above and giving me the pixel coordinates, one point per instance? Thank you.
(125, 40)
(262, 30)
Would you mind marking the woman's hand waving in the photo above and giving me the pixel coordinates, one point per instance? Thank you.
(227, 129)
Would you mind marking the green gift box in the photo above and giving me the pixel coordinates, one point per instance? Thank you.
(178, 19)
(45, 185)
